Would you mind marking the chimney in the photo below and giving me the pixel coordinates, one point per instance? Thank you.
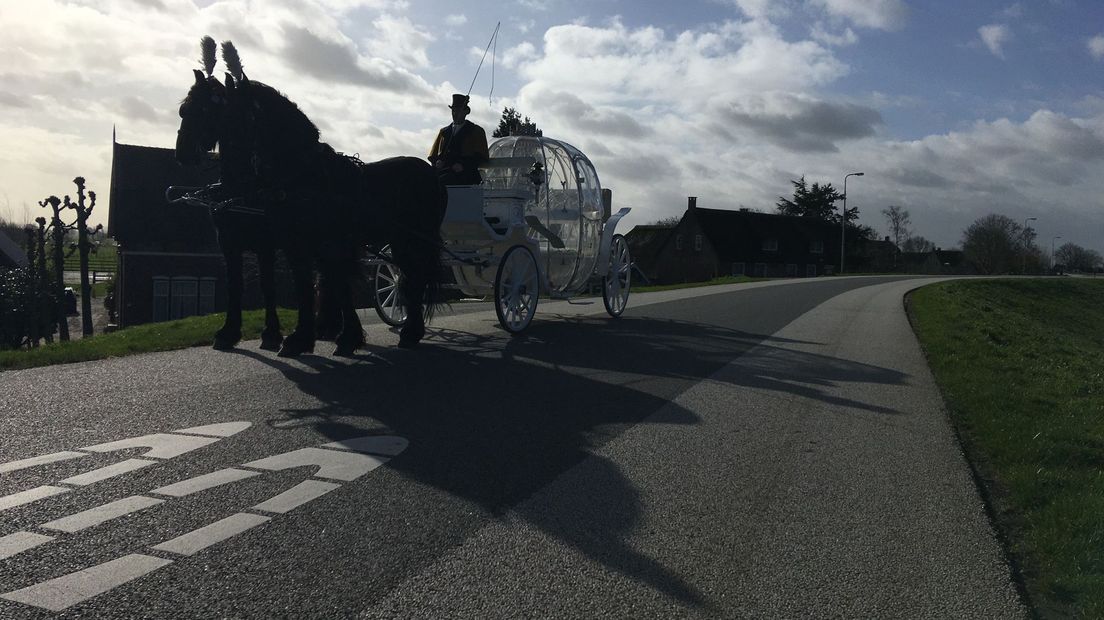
(691, 202)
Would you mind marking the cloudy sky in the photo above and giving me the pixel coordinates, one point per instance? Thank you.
(952, 109)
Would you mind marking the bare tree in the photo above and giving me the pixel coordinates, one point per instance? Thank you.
(1077, 258)
(898, 220)
(993, 243)
(916, 243)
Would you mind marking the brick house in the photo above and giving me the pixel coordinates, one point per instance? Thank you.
(645, 242)
(709, 243)
(169, 262)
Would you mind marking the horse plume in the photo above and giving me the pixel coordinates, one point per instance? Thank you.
(207, 44)
(232, 60)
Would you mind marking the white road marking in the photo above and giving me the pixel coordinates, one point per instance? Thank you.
(161, 445)
(343, 466)
(204, 482)
(68, 590)
(388, 445)
(101, 514)
(197, 540)
(225, 429)
(30, 495)
(19, 542)
(45, 459)
(110, 471)
(296, 496)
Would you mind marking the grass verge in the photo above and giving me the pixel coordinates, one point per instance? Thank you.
(190, 332)
(1021, 366)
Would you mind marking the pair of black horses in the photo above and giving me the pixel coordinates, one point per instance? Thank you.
(292, 192)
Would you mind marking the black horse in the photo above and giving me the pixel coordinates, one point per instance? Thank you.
(318, 204)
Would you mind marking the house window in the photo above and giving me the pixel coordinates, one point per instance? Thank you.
(206, 295)
(739, 269)
(770, 245)
(791, 271)
(697, 243)
(678, 242)
(183, 300)
(810, 271)
(760, 270)
(160, 298)
(816, 247)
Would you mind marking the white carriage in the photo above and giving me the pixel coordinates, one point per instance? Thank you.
(539, 224)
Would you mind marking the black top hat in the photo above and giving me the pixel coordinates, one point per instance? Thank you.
(460, 101)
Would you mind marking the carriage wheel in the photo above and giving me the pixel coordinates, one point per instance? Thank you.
(386, 282)
(615, 284)
(517, 288)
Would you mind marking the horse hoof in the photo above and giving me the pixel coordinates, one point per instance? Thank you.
(271, 344)
(344, 351)
(293, 351)
(223, 345)
(408, 343)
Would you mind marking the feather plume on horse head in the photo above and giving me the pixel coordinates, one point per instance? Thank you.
(207, 45)
(232, 60)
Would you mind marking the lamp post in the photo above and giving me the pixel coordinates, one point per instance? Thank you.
(1023, 269)
(1053, 262)
(843, 216)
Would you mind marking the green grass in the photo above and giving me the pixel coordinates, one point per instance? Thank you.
(189, 332)
(1021, 366)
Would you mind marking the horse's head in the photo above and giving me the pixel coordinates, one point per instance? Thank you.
(202, 119)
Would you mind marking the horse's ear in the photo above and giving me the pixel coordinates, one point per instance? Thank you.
(199, 76)
(244, 79)
(229, 82)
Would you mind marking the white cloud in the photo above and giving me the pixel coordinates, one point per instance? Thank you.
(819, 32)
(764, 9)
(456, 20)
(399, 40)
(879, 14)
(1096, 47)
(995, 36)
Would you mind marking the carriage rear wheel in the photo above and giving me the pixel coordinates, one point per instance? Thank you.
(517, 289)
(386, 282)
(615, 284)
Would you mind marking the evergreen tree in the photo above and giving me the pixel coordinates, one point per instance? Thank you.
(512, 124)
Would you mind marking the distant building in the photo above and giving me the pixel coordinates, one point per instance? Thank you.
(645, 241)
(709, 243)
(936, 262)
(170, 265)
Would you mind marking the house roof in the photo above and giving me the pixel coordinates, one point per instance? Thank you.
(722, 227)
(11, 255)
(140, 218)
(645, 240)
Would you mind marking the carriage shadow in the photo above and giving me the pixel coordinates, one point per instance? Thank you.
(515, 425)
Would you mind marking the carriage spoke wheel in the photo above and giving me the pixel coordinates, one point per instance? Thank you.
(386, 283)
(517, 289)
(615, 284)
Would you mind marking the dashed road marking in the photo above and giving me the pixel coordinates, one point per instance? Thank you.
(197, 540)
(68, 590)
(110, 471)
(296, 496)
(343, 461)
(101, 514)
(30, 495)
(17, 543)
(204, 482)
(45, 459)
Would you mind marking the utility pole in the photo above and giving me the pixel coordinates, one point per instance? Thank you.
(843, 216)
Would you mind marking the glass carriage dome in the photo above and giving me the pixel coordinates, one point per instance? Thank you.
(566, 198)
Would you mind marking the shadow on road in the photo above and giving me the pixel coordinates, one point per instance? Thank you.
(493, 420)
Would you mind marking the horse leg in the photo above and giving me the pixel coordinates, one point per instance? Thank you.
(302, 339)
(271, 338)
(230, 333)
(413, 288)
(351, 336)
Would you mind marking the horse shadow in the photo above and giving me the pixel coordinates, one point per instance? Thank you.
(494, 420)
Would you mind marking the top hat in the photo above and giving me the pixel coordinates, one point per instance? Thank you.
(460, 101)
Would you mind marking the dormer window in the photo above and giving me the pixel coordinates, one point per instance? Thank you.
(697, 243)
(816, 247)
(770, 245)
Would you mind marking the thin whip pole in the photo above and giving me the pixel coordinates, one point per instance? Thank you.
(494, 37)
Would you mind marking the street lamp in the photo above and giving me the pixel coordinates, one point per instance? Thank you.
(1023, 269)
(843, 216)
(1053, 262)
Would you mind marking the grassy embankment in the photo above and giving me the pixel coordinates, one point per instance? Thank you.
(190, 332)
(1021, 366)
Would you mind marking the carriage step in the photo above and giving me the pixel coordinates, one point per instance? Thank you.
(552, 237)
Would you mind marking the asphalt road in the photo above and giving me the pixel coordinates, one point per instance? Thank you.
(769, 450)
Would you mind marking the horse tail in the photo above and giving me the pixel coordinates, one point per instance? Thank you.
(435, 269)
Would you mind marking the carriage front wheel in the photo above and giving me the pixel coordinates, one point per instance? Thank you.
(388, 296)
(517, 289)
(615, 284)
